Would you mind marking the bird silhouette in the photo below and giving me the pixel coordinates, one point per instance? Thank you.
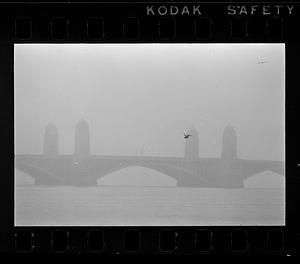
(187, 135)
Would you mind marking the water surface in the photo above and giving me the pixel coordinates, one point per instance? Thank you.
(122, 205)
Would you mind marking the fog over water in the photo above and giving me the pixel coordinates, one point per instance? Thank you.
(138, 99)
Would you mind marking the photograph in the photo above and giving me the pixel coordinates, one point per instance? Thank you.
(158, 134)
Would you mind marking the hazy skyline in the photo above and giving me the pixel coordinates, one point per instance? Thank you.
(139, 98)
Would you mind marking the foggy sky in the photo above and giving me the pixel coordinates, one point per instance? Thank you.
(139, 98)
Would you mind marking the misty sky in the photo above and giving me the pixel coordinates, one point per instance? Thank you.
(139, 98)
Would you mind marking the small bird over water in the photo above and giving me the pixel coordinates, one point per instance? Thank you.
(187, 135)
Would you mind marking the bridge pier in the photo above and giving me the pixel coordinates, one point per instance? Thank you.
(191, 182)
(85, 183)
(229, 182)
(230, 175)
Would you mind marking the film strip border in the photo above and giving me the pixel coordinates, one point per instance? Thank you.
(130, 23)
(164, 29)
(141, 22)
(151, 240)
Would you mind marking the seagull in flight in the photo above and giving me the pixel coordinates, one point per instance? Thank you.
(187, 135)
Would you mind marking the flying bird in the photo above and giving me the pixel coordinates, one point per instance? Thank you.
(187, 135)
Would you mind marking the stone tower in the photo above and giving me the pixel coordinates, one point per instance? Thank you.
(192, 145)
(82, 139)
(229, 146)
(50, 140)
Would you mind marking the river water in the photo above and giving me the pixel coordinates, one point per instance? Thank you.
(138, 206)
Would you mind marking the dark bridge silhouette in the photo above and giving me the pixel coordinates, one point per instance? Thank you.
(84, 169)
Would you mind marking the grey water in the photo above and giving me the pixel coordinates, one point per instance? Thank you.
(147, 206)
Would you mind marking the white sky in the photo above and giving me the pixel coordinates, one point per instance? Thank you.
(139, 98)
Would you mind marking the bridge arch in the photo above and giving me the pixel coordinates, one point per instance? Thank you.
(85, 172)
(22, 178)
(39, 174)
(178, 174)
(137, 176)
(265, 179)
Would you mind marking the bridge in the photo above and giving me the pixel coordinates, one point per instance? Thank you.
(84, 169)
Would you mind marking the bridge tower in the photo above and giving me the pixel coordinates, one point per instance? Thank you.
(229, 146)
(50, 140)
(192, 145)
(82, 139)
(230, 176)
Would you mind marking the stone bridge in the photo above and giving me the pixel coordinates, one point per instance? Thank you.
(84, 169)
